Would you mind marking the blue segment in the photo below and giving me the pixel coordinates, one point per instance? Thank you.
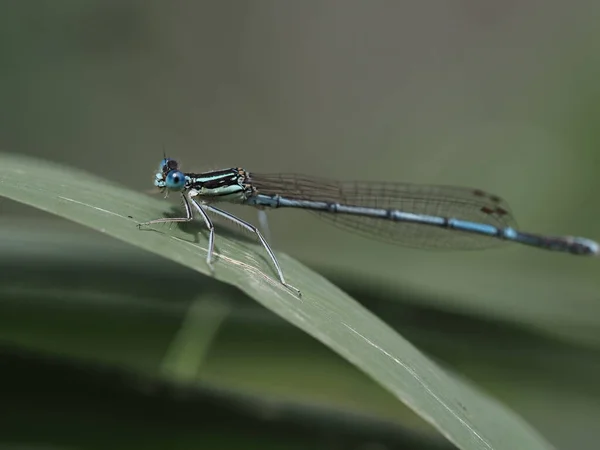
(509, 233)
(175, 180)
(264, 200)
(479, 228)
(417, 218)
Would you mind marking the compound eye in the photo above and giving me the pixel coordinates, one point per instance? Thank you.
(175, 180)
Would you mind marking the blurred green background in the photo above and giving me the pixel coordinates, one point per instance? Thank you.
(501, 96)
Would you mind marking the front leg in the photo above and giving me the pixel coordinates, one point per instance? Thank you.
(211, 233)
(188, 215)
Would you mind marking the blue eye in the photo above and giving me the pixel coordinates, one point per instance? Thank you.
(175, 180)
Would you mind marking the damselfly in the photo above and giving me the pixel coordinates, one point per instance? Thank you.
(413, 215)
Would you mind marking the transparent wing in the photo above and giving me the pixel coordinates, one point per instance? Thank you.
(468, 204)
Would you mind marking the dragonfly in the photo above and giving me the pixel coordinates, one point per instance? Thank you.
(412, 215)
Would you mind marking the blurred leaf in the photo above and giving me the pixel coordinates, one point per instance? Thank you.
(83, 405)
(468, 418)
(189, 347)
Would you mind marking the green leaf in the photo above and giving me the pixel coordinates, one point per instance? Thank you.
(467, 417)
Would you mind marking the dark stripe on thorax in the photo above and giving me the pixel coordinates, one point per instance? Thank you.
(215, 179)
